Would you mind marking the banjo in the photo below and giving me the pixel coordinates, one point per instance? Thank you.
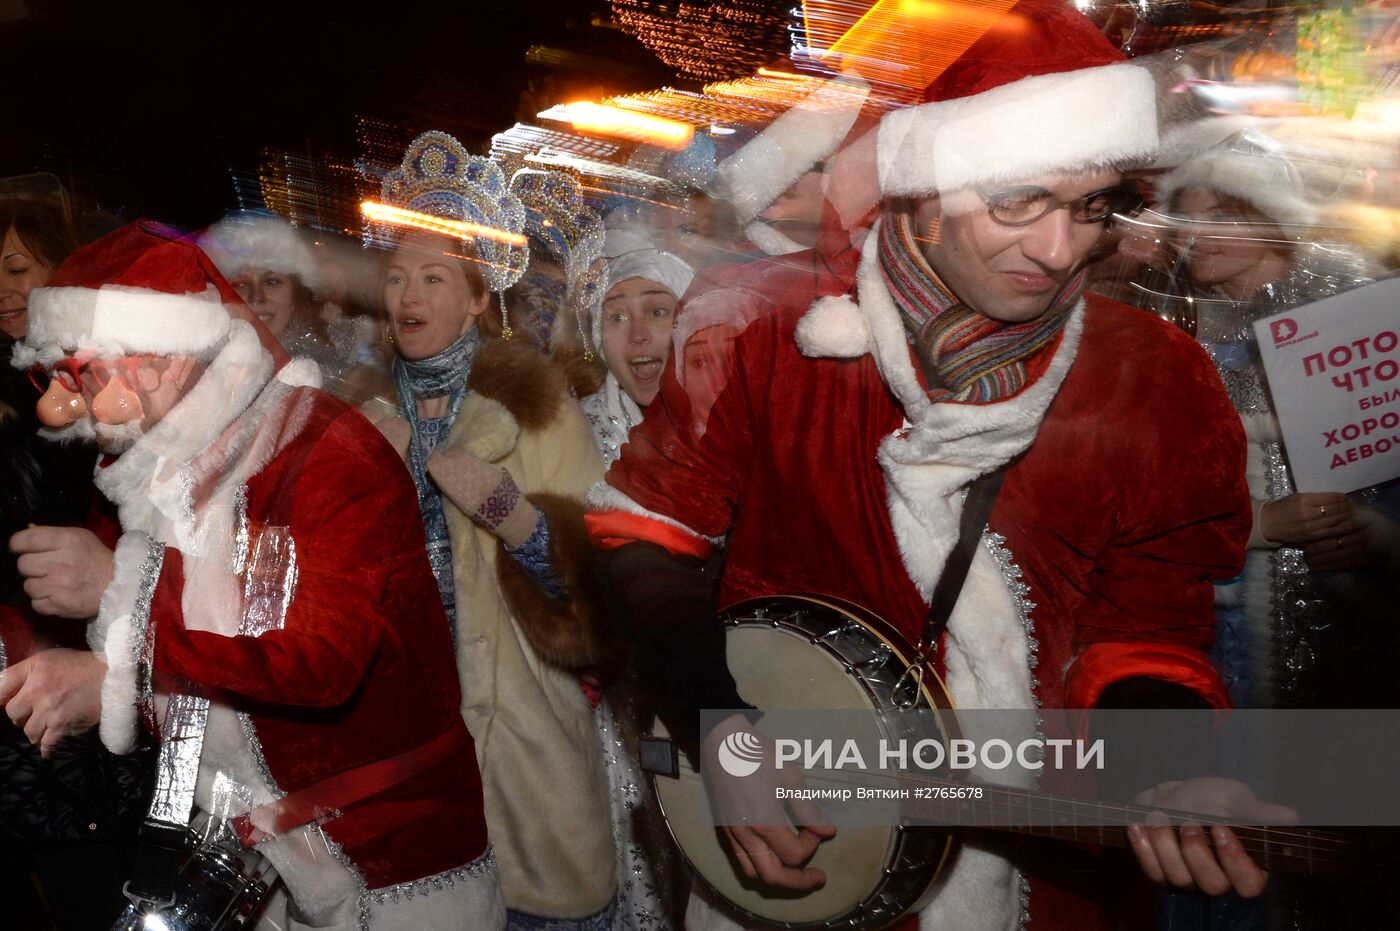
(836, 656)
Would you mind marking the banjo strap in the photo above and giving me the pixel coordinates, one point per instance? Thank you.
(981, 495)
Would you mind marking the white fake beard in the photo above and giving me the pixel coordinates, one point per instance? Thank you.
(115, 439)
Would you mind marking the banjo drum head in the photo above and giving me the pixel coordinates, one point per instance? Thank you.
(854, 861)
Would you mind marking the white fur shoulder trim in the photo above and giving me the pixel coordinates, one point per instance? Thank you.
(834, 328)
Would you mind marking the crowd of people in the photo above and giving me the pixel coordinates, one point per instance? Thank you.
(378, 560)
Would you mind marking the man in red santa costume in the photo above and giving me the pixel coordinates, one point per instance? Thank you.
(250, 565)
(873, 387)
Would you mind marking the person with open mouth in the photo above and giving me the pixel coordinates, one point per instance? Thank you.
(632, 321)
(501, 456)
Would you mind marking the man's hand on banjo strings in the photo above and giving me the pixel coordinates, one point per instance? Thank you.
(755, 822)
(1192, 857)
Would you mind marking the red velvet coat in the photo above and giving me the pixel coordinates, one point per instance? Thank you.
(826, 472)
(339, 662)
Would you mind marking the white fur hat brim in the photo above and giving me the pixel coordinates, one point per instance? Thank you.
(241, 242)
(1269, 182)
(116, 320)
(1046, 124)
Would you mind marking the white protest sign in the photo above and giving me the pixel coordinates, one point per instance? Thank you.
(1334, 373)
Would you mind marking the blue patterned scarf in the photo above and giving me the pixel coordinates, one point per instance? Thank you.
(442, 375)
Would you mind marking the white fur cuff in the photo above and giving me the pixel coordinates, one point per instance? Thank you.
(120, 634)
(604, 497)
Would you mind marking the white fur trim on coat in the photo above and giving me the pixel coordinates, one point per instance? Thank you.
(774, 160)
(115, 320)
(770, 240)
(118, 634)
(1050, 123)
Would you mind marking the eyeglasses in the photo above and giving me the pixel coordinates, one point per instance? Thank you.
(1022, 206)
(72, 372)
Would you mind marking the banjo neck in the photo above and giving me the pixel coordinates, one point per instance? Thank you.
(1062, 817)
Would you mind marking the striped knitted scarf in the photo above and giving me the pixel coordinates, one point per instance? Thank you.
(966, 356)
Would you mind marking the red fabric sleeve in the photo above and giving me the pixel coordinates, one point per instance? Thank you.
(687, 460)
(1180, 519)
(1102, 664)
(345, 550)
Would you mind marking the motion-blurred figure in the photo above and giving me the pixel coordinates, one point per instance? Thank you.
(1241, 248)
(246, 591)
(275, 271)
(501, 456)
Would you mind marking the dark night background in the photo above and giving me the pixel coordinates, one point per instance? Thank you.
(148, 108)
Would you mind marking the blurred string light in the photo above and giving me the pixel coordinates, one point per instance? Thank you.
(748, 102)
(311, 191)
(708, 40)
(388, 214)
(900, 44)
(512, 147)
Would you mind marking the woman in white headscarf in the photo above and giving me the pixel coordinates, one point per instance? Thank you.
(633, 316)
(1245, 225)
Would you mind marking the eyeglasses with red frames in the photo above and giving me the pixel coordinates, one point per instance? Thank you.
(72, 372)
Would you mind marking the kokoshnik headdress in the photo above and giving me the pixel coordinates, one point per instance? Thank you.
(438, 177)
(557, 219)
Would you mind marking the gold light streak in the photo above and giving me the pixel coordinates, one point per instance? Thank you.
(604, 119)
(398, 216)
(904, 43)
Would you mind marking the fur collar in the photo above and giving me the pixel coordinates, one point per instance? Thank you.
(520, 378)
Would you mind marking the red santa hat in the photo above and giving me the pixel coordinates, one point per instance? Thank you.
(137, 290)
(793, 144)
(1041, 92)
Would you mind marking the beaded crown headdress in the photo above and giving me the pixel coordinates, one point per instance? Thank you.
(557, 217)
(440, 178)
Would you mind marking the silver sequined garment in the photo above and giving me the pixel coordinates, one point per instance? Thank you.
(1269, 653)
(649, 872)
(650, 875)
(612, 414)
